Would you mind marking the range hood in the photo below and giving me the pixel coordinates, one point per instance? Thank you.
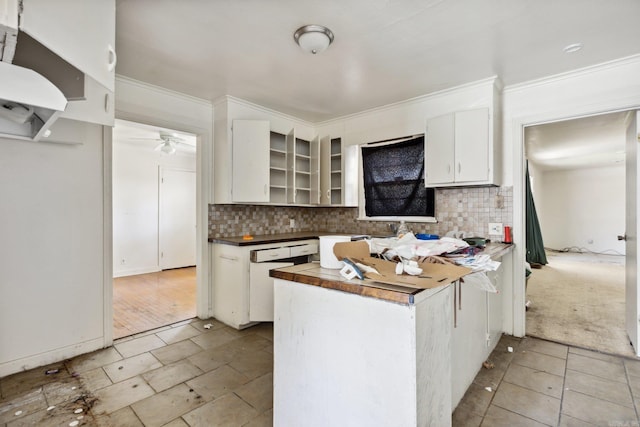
(29, 103)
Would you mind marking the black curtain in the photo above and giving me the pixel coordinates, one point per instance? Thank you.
(394, 180)
(535, 245)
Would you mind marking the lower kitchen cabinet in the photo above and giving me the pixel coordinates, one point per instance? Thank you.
(477, 327)
(242, 288)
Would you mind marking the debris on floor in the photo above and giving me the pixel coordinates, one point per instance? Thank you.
(208, 326)
(489, 389)
(488, 365)
(510, 349)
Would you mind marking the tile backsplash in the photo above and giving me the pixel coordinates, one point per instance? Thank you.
(467, 210)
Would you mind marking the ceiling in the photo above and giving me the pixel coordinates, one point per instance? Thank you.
(587, 142)
(149, 136)
(384, 50)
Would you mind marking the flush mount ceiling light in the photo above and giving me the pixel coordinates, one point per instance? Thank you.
(313, 38)
(572, 48)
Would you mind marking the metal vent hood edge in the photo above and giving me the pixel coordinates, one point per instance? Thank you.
(29, 103)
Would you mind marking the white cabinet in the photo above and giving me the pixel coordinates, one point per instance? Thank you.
(459, 149)
(478, 325)
(331, 171)
(71, 44)
(250, 161)
(80, 32)
(303, 164)
(242, 289)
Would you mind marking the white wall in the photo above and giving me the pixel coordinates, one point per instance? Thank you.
(51, 248)
(136, 204)
(582, 205)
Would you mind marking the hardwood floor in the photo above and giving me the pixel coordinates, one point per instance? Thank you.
(148, 301)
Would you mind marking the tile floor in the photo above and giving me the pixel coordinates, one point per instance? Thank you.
(542, 383)
(188, 375)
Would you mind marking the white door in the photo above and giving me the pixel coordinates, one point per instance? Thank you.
(177, 228)
(631, 244)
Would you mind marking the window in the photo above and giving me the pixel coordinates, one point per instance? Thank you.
(393, 178)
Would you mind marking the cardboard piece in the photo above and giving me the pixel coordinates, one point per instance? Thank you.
(432, 276)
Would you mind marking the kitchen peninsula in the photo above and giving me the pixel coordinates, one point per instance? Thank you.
(354, 352)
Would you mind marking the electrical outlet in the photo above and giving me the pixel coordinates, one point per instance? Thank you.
(495, 229)
(292, 223)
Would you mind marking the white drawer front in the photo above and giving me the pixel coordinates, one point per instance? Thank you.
(271, 254)
(308, 249)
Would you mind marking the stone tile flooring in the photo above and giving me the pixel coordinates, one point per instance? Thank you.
(189, 375)
(542, 383)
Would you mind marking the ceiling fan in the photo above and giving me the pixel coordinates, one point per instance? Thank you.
(168, 142)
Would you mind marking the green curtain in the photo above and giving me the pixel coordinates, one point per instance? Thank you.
(535, 245)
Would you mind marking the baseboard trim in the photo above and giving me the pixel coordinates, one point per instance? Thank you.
(53, 356)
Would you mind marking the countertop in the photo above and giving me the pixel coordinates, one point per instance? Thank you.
(273, 238)
(313, 274)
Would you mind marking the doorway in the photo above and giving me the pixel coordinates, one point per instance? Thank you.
(577, 175)
(154, 227)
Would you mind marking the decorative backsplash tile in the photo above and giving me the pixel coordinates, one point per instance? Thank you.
(467, 210)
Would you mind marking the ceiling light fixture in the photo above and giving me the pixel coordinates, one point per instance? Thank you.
(313, 38)
(166, 147)
(572, 48)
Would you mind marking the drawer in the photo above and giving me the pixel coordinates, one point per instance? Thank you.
(270, 254)
(308, 249)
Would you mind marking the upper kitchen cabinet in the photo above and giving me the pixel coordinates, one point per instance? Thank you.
(331, 171)
(303, 171)
(80, 32)
(263, 157)
(71, 43)
(460, 149)
(250, 161)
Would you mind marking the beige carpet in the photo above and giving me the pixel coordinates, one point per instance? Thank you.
(578, 299)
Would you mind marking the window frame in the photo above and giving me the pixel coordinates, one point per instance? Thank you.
(362, 216)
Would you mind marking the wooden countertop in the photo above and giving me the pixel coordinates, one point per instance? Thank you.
(313, 274)
(273, 238)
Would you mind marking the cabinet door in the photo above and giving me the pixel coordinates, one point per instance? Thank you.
(439, 150)
(80, 32)
(261, 290)
(314, 159)
(472, 145)
(250, 161)
(291, 172)
(325, 171)
(230, 284)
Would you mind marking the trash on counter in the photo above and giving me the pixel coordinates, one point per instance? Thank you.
(350, 271)
(382, 270)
